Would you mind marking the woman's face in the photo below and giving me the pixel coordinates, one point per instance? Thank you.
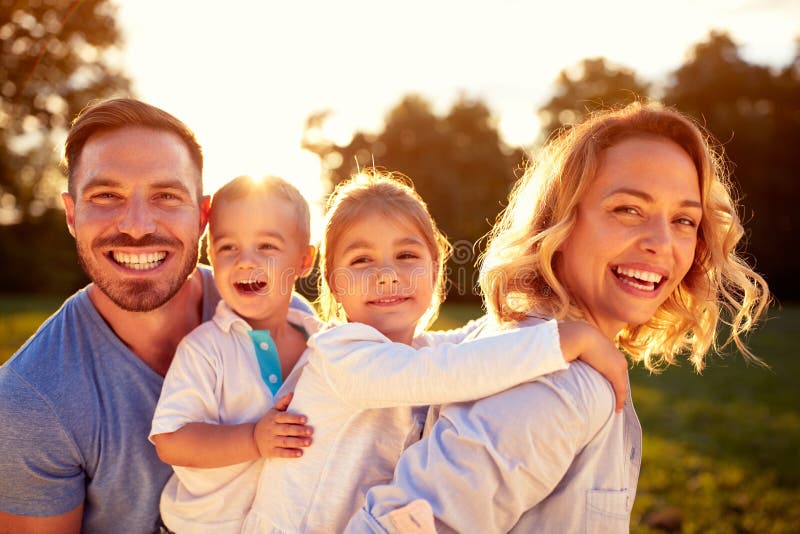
(635, 234)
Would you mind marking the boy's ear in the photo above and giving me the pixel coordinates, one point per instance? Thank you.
(308, 261)
(205, 209)
(69, 211)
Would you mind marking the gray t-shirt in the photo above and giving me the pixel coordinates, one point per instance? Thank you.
(75, 411)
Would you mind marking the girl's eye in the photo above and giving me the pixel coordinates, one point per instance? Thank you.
(407, 256)
(225, 248)
(359, 260)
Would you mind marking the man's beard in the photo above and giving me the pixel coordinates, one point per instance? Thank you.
(136, 295)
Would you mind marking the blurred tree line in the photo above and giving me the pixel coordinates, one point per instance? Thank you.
(57, 55)
(463, 170)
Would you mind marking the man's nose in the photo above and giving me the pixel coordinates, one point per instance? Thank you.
(138, 220)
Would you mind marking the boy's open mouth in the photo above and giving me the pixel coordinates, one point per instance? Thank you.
(250, 286)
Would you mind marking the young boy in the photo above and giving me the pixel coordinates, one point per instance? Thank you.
(218, 416)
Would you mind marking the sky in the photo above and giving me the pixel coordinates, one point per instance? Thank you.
(245, 74)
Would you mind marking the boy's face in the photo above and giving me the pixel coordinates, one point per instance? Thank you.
(257, 255)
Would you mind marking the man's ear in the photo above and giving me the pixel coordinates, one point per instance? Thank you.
(205, 209)
(69, 210)
(308, 261)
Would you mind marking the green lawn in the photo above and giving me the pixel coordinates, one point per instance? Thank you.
(720, 450)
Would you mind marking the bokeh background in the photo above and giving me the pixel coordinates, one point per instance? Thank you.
(456, 95)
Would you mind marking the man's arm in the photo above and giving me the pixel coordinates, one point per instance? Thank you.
(61, 524)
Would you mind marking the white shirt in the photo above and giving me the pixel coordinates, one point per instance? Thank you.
(215, 378)
(546, 456)
(358, 389)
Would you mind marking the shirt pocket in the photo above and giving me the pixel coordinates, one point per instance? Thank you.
(608, 511)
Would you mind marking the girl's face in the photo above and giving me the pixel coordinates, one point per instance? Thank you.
(383, 275)
(635, 234)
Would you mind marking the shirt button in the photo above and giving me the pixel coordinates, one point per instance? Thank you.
(273, 379)
(264, 345)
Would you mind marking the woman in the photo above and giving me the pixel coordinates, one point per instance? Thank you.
(627, 222)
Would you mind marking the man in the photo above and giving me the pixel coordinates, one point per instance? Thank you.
(76, 401)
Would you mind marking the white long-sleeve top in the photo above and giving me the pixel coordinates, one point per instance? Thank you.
(358, 390)
(545, 456)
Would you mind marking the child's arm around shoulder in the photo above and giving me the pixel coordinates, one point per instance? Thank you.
(367, 369)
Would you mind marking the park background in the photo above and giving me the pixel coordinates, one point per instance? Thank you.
(455, 95)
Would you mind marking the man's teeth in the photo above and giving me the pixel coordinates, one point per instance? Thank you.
(644, 276)
(139, 262)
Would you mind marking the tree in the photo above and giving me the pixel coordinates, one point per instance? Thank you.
(592, 85)
(755, 114)
(55, 59)
(457, 161)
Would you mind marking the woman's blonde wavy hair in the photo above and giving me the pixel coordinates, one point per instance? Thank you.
(517, 274)
(393, 196)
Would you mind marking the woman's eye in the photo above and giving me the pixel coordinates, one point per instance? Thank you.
(686, 221)
(626, 210)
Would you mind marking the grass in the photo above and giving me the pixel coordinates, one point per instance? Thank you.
(720, 449)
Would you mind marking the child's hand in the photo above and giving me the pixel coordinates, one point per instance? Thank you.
(280, 434)
(583, 341)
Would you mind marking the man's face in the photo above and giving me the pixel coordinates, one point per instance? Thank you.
(135, 215)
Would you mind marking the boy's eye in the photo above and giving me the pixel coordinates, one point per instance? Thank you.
(359, 260)
(225, 248)
(267, 246)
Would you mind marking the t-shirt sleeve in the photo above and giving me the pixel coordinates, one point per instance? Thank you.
(191, 387)
(40, 467)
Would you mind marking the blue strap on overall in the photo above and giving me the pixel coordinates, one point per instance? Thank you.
(267, 357)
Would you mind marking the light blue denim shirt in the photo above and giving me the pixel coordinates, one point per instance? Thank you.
(546, 456)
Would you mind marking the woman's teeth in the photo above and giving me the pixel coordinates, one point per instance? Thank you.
(642, 280)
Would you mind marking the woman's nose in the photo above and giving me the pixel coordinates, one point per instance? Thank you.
(658, 236)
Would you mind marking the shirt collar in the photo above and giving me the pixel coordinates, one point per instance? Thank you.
(227, 320)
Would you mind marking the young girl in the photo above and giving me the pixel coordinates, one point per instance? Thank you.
(382, 268)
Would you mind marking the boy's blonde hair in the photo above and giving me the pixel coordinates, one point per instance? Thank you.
(244, 186)
(392, 195)
(517, 274)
